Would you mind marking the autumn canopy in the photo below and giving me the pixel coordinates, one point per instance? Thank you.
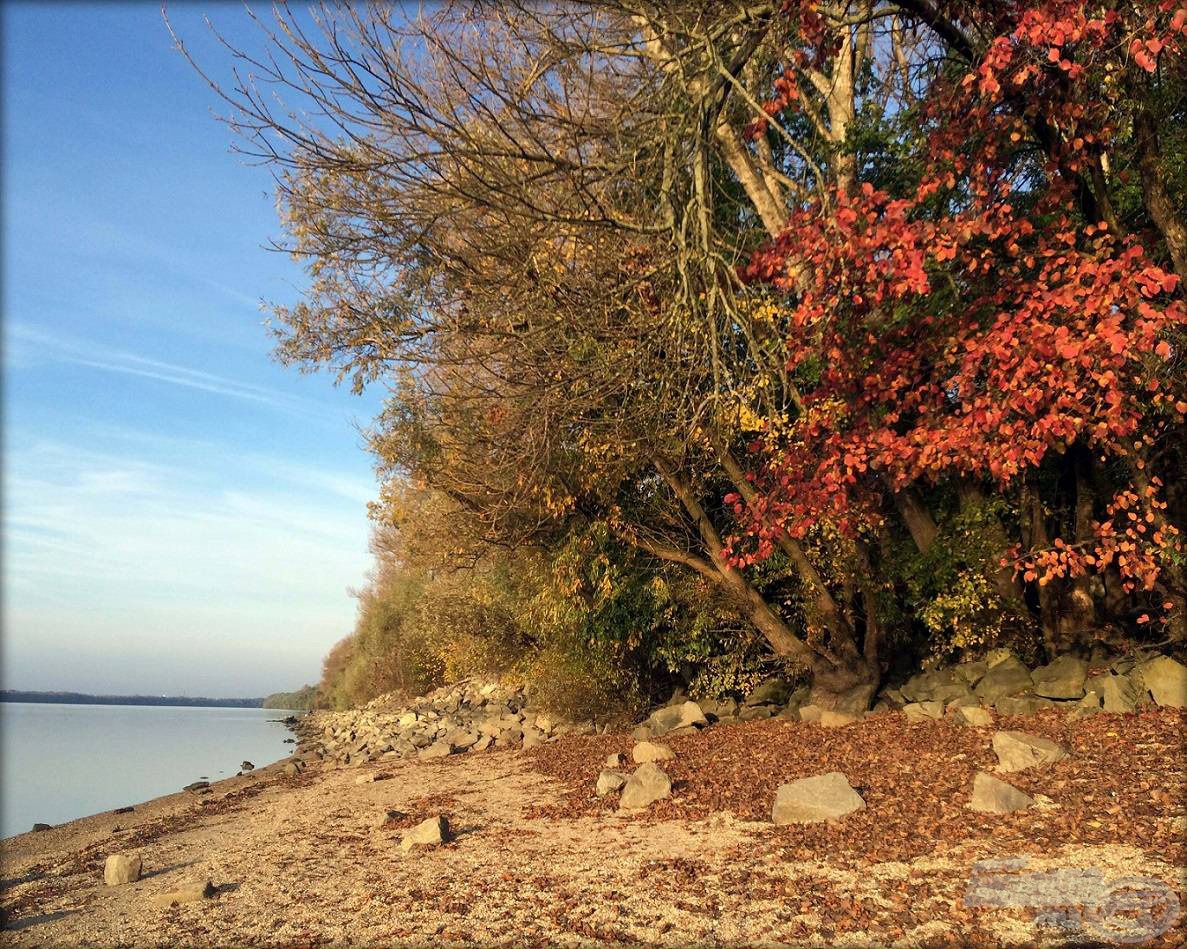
(846, 333)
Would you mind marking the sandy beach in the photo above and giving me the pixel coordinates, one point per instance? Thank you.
(314, 858)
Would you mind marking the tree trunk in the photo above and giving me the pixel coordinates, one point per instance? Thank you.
(1158, 203)
(1079, 617)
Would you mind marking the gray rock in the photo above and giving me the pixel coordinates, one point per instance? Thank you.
(609, 782)
(923, 711)
(428, 833)
(461, 739)
(752, 713)
(121, 868)
(438, 749)
(669, 719)
(973, 716)
(1165, 680)
(615, 761)
(1118, 694)
(1026, 704)
(1007, 677)
(993, 796)
(386, 817)
(854, 701)
(1063, 678)
(820, 798)
(810, 713)
(39, 828)
(719, 708)
(647, 751)
(642, 732)
(247, 766)
(829, 718)
(649, 783)
(965, 701)
(1018, 750)
(482, 743)
(971, 672)
(197, 786)
(193, 893)
(774, 691)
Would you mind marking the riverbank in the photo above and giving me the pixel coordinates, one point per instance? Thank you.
(536, 857)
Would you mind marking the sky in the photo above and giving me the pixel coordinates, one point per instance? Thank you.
(182, 515)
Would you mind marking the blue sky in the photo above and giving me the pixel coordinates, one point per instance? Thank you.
(181, 514)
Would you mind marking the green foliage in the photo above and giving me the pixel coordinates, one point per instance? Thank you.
(303, 699)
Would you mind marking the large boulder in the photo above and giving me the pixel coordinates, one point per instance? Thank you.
(649, 783)
(121, 868)
(1062, 678)
(774, 691)
(830, 718)
(684, 715)
(971, 672)
(854, 701)
(1165, 680)
(428, 833)
(1007, 677)
(1018, 750)
(820, 798)
(1117, 693)
(993, 796)
(648, 751)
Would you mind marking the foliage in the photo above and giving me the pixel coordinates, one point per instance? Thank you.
(304, 698)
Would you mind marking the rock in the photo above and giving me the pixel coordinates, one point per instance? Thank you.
(774, 691)
(833, 719)
(642, 733)
(820, 798)
(461, 739)
(483, 743)
(993, 796)
(1117, 692)
(532, 739)
(247, 766)
(719, 708)
(197, 786)
(609, 782)
(854, 701)
(649, 783)
(125, 810)
(293, 768)
(428, 833)
(121, 868)
(669, 719)
(193, 893)
(615, 761)
(971, 672)
(1022, 704)
(810, 713)
(372, 777)
(1062, 678)
(965, 701)
(38, 828)
(895, 698)
(1165, 680)
(386, 817)
(647, 751)
(974, 716)
(438, 749)
(752, 713)
(1018, 750)
(1006, 677)
(923, 711)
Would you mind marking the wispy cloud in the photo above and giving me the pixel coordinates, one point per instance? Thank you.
(52, 346)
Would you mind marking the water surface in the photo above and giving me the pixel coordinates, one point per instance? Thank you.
(59, 762)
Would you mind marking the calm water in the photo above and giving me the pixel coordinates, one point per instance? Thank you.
(60, 762)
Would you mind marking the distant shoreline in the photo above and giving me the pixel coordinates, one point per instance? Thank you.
(81, 698)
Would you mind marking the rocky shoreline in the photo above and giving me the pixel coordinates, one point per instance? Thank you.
(752, 822)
